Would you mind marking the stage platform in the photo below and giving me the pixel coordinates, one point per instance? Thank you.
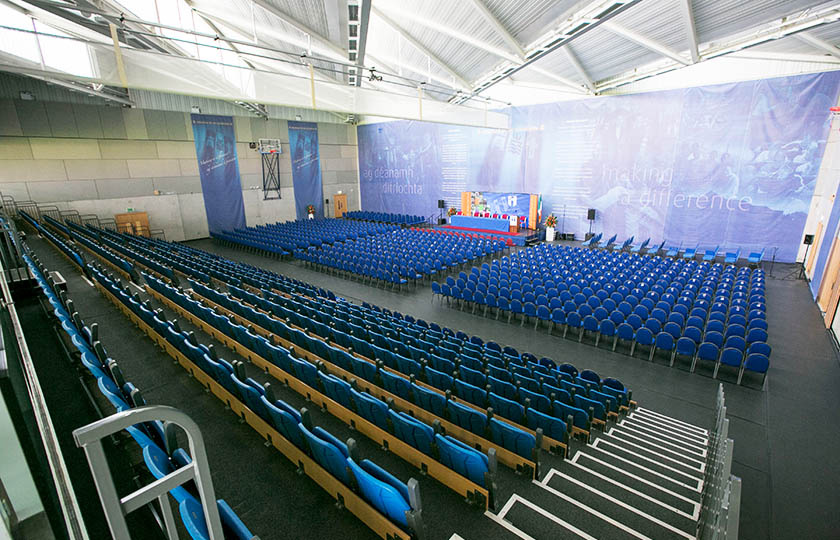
(519, 239)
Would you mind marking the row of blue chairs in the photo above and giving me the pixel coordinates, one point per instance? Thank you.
(618, 295)
(730, 256)
(303, 233)
(385, 217)
(68, 249)
(399, 256)
(75, 233)
(151, 438)
(345, 393)
(399, 501)
(338, 311)
(433, 355)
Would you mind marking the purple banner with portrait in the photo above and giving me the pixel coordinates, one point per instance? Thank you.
(731, 165)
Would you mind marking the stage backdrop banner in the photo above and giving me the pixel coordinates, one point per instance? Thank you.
(512, 204)
(306, 168)
(732, 165)
(218, 167)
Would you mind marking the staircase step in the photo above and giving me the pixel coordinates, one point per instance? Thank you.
(670, 421)
(612, 509)
(671, 495)
(616, 455)
(651, 458)
(671, 454)
(657, 430)
(626, 494)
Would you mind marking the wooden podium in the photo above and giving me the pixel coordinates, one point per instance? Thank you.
(340, 200)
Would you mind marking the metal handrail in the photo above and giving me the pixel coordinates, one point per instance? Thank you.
(70, 510)
(89, 438)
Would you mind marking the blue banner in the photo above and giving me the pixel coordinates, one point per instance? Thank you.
(732, 165)
(306, 168)
(218, 166)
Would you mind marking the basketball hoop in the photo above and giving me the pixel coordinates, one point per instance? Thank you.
(270, 146)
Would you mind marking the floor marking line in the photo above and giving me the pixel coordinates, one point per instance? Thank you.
(693, 488)
(672, 420)
(669, 428)
(542, 511)
(695, 514)
(594, 512)
(621, 504)
(636, 492)
(664, 421)
(506, 508)
(509, 526)
(677, 436)
(663, 456)
(674, 449)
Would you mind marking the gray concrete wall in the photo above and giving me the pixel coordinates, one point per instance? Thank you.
(102, 160)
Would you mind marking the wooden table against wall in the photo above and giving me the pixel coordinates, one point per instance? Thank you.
(133, 223)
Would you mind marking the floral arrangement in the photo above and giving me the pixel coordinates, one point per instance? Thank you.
(310, 209)
(551, 221)
(452, 211)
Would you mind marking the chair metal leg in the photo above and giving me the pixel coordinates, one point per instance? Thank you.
(565, 330)
(536, 324)
(509, 315)
(581, 331)
(597, 338)
(523, 317)
(632, 348)
(717, 367)
(693, 363)
(673, 357)
(740, 374)
(652, 352)
(615, 342)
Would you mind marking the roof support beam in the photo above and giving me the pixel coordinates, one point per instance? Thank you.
(500, 29)
(818, 43)
(460, 36)
(562, 80)
(688, 15)
(644, 42)
(267, 6)
(364, 23)
(422, 48)
(587, 80)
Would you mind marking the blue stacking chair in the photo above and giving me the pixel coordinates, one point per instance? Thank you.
(640, 248)
(731, 257)
(643, 336)
(730, 356)
(755, 257)
(757, 363)
(685, 346)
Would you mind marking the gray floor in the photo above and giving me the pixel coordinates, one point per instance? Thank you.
(785, 436)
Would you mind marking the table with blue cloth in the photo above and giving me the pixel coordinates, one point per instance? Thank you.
(487, 224)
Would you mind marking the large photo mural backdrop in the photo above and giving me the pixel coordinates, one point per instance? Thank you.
(731, 165)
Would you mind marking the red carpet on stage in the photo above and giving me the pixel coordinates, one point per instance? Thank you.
(482, 231)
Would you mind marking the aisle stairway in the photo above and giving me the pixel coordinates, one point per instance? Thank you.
(642, 478)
